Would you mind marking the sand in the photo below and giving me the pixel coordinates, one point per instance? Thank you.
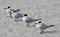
(48, 10)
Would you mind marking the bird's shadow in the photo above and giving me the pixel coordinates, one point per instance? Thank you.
(54, 31)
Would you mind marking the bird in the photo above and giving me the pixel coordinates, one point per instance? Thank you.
(17, 15)
(25, 18)
(14, 13)
(42, 26)
(9, 10)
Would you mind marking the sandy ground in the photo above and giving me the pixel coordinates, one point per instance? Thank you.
(48, 10)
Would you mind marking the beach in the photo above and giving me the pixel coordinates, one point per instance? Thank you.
(47, 10)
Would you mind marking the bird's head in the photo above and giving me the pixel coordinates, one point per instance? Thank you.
(8, 7)
(38, 22)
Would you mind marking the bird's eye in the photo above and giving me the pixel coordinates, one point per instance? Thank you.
(25, 14)
(8, 6)
(14, 11)
(39, 22)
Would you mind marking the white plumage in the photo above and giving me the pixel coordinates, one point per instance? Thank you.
(28, 19)
(42, 26)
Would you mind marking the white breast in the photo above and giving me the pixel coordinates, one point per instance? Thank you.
(14, 14)
(38, 25)
(25, 18)
(8, 10)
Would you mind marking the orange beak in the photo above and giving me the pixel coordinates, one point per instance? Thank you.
(4, 8)
(35, 23)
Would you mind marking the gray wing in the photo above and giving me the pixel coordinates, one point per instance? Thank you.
(18, 15)
(16, 10)
(31, 20)
(44, 26)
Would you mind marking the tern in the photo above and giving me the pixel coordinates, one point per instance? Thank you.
(42, 26)
(28, 20)
(9, 10)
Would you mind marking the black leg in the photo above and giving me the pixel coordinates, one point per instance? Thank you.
(27, 25)
(10, 14)
(16, 19)
(41, 31)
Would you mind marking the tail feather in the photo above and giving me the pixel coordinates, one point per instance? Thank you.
(37, 19)
(51, 25)
(17, 10)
